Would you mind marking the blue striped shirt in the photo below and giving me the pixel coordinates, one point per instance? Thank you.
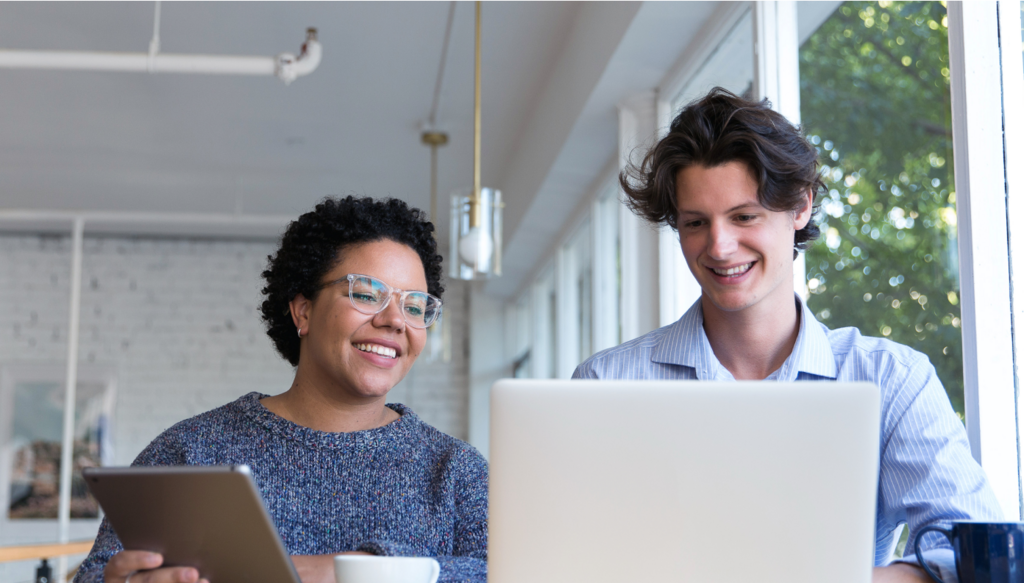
(927, 475)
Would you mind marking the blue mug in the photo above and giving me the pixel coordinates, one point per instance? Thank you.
(985, 552)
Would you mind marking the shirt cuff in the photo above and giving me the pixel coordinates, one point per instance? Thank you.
(941, 561)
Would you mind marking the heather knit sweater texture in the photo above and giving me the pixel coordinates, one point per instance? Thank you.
(404, 489)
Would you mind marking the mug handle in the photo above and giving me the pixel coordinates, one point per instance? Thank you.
(917, 548)
(435, 569)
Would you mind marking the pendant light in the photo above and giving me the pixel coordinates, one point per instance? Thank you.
(476, 213)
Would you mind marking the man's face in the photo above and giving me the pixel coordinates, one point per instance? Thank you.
(740, 252)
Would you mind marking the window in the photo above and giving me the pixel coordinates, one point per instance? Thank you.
(875, 101)
(543, 318)
(607, 282)
(575, 293)
(519, 321)
(583, 289)
(730, 66)
(31, 434)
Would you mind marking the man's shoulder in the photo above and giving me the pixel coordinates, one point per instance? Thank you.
(870, 356)
(634, 353)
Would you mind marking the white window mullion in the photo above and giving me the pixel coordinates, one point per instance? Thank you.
(766, 52)
(989, 394)
(1013, 145)
(777, 77)
(606, 278)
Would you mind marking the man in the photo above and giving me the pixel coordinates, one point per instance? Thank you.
(737, 181)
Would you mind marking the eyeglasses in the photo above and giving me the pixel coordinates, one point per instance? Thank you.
(370, 295)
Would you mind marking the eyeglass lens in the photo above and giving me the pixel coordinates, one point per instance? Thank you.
(370, 295)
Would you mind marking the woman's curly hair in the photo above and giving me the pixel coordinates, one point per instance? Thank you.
(720, 128)
(314, 242)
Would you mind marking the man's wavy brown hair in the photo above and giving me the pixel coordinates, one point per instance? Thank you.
(720, 128)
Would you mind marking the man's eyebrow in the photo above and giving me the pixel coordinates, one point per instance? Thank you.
(739, 207)
(744, 206)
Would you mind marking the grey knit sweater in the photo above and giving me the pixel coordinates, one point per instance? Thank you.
(404, 489)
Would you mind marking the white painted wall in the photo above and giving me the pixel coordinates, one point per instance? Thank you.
(177, 320)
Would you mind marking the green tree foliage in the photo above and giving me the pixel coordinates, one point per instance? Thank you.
(874, 96)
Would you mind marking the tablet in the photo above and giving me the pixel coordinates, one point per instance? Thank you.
(208, 517)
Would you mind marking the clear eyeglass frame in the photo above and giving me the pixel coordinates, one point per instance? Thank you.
(379, 295)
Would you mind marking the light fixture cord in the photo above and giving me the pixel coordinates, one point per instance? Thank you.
(433, 184)
(154, 43)
(440, 71)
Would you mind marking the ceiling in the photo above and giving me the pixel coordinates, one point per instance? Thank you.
(227, 144)
(252, 147)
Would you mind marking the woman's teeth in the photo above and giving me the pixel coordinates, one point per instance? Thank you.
(734, 270)
(378, 349)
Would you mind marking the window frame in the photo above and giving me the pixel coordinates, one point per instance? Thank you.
(984, 228)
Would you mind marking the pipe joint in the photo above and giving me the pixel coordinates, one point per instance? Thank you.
(288, 67)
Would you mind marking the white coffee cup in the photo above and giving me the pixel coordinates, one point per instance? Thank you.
(373, 569)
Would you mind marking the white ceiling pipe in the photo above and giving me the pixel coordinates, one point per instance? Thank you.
(285, 66)
(217, 225)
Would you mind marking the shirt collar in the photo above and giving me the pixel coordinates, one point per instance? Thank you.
(812, 353)
(686, 344)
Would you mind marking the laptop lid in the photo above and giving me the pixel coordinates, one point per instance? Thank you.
(611, 481)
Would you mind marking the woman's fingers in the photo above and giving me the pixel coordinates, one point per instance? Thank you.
(123, 564)
(141, 567)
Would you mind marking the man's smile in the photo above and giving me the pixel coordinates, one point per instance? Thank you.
(733, 271)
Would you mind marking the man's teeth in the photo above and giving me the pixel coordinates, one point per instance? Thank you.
(733, 270)
(378, 349)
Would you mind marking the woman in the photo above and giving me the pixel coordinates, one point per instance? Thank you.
(349, 295)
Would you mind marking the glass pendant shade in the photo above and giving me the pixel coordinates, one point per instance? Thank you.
(475, 251)
(439, 341)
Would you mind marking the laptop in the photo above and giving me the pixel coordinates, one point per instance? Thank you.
(664, 481)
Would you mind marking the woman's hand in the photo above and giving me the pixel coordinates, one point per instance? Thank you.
(142, 567)
(316, 568)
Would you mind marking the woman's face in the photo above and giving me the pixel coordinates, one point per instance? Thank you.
(338, 341)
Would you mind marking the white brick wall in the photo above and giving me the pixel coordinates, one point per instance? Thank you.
(177, 320)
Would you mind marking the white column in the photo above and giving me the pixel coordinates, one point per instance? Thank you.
(640, 301)
(70, 386)
(989, 392)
